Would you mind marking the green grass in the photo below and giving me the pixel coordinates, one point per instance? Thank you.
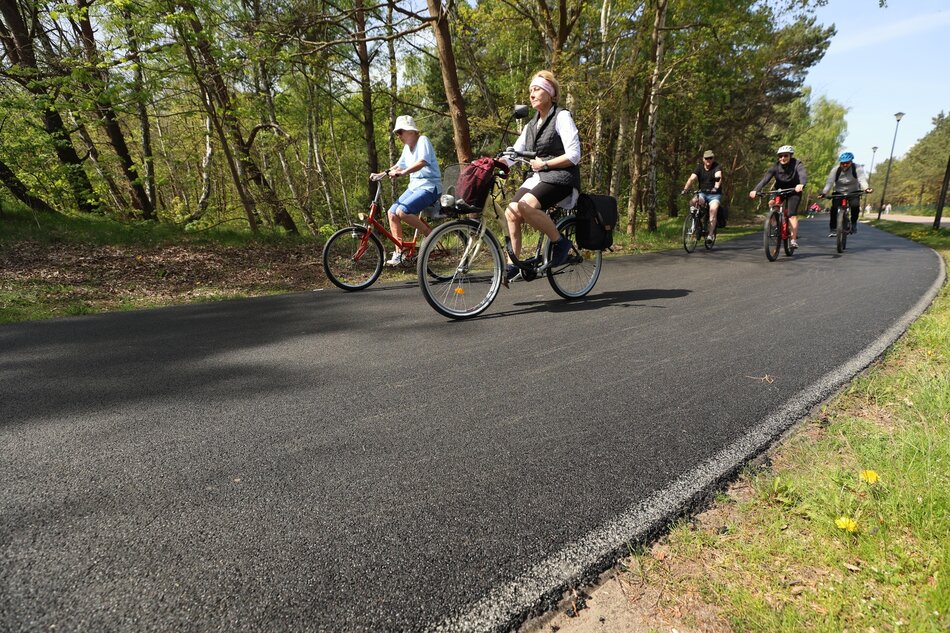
(18, 224)
(816, 543)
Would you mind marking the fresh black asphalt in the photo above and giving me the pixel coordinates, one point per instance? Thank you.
(333, 461)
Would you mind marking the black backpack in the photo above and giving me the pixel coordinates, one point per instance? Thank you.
(596, 220)
(854, 172)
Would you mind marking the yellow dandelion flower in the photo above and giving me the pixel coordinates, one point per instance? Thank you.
(869, 476)
(846, 523)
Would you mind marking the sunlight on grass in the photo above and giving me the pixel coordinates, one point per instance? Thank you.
(848, 530)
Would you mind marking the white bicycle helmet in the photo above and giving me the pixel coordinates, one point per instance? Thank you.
(785, 149)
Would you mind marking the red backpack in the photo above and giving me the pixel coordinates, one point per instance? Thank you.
(475, 182)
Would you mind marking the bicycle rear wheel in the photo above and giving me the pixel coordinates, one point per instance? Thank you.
(772, 235)
(460, 269)
(576, 278)
(787, 243)
(690, 232)
(353, 258)
(841, 233)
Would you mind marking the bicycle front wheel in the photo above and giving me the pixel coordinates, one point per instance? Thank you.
(460, 269)
(841, 233)
(576, 278)
(690, 233)
(353, 258)
(772, 235)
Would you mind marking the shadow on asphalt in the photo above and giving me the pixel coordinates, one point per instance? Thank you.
(620, 298)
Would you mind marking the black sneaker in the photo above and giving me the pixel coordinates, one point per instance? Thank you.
(854, 228)
(512, 273)
(561, 251)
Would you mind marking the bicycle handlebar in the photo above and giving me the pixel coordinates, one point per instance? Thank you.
(781, 192)
(519, 157)
(845, 195)
(379, 176)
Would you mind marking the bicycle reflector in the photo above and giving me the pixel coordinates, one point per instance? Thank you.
(460, 291)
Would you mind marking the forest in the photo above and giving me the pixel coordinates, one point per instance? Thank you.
(269, 115)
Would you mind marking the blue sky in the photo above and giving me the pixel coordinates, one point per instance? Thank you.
(882, 61)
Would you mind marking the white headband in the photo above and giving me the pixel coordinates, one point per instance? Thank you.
(544, 85)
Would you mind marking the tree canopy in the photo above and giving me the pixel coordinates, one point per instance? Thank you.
(272, 113)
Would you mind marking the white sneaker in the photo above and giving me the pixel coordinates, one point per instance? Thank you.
(793, 244)
(833, 234)
(395, 260)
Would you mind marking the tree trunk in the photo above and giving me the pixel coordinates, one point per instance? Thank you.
(118, 198)
(20, 191)
(107, 115)
(366, 92)
(313, 141)
(145, 128)
(450, 80)
(659, 49)
(220, 95)
(393, 91)
(206, 162)
(20, 51)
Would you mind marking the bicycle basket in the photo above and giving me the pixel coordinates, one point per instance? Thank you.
(474, 184)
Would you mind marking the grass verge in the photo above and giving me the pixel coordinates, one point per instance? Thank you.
(845, 530)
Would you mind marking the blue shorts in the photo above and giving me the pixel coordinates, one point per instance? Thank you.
(414, 201)
(709, 197)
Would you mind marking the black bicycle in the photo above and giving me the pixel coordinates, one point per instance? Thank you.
(841, 204)
(696, 223)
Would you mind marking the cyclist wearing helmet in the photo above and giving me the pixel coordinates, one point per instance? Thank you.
(789, 173)
(846, 178)
(709, 175)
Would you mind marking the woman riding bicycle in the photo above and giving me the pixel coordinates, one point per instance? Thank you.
(846, 178)
(425, 182)
(789, 173)
(555, 177)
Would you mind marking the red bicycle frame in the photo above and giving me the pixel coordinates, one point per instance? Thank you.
(777, 201)
(407, 247)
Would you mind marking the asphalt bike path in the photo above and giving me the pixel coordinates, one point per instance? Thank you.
(336, 461)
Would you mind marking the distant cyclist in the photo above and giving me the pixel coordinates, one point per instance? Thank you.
(709, 176)
(789, 173)
(847, 178)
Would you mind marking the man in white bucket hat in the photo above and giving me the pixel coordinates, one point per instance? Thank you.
(425, 181)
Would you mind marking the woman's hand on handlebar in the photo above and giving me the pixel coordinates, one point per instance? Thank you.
(798, 188)
(753, 194)
(392, 173)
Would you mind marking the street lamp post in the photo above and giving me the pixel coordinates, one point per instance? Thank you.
(887, 175)
(868, 197)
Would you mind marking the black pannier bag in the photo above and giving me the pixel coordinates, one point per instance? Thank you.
(596, 220)
(722, 216)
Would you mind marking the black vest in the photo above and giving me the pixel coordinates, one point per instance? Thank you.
(547, 143)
